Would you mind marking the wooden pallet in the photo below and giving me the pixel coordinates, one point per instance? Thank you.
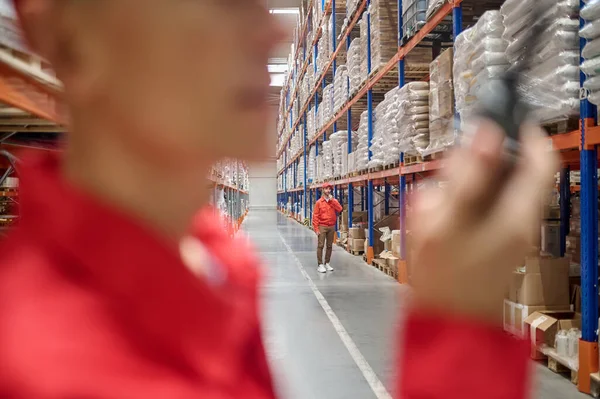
(562, 125)
(416, 159)
(382, 265)
(357, 253)
(376, 169)
(560, 366)
(395, 165)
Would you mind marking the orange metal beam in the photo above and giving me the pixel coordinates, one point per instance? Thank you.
(22, 92)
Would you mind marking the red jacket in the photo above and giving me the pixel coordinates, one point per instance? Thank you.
(325, 213)
(94, 305)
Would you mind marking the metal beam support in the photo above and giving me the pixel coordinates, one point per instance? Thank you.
(402, 188)
(370, 137)
(305, 182)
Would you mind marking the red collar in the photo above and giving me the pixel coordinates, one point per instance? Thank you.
(140, 278)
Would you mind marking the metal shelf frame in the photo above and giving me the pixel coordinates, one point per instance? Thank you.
(578, 149)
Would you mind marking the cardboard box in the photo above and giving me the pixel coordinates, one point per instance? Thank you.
(551, 238)
(396, 243)
(545, 283)
(542, 327)
(358, 244)
(515, 315)
(393, 262)
(440, 69)
(356, 232)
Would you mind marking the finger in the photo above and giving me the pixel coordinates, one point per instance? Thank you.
(519, 205)
(473, 170)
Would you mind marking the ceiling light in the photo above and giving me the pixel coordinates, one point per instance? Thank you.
(277, 79)
(277, 68)
(294, 10)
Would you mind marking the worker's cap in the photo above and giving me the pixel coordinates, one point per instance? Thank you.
(327, 185)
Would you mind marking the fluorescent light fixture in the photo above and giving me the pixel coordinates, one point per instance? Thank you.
(277, 68)
(277, 79)
(292, 10)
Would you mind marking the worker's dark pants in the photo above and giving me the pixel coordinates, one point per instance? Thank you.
(325, 234)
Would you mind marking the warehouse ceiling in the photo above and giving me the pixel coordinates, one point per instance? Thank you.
(279, 57)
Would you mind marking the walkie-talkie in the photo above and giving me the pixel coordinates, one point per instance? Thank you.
(499, 100)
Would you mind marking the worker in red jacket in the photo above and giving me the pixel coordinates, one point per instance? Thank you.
(325, 216)
(106, 291)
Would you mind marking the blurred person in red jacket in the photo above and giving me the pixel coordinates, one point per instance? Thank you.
(325, 216)
(104, 294)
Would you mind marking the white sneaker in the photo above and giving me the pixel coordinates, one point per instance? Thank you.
(321, 269)
(328, 267)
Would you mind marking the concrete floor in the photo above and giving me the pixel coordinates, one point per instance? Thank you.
(332, 336)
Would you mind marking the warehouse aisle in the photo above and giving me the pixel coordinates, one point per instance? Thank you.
(332, 337)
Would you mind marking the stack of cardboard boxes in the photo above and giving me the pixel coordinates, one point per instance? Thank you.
(541, 285)
(356, 239)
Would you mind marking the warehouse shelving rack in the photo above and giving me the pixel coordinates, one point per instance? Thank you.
(40, 101)
(578, 149)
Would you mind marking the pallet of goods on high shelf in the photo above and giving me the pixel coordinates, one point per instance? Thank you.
(551, 82)
(386, 135)
(339, 141)
(413, 120)
(312, 164)
(479, 56)
(384, 32)
(341, 89)
(354, 64)
(327, 104)
(360, 157)
(340, 16)
(364, 43)
(441, 103)
(591, 52)
(414, 16)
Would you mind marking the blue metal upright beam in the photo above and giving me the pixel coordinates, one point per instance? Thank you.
(589, 221)
(349, 116)
(370, 198)
(402, 188)
(457, 28)
(305, 142)
(386, 197)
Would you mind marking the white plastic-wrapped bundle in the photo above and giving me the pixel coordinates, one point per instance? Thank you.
(384, 31)
(551, 83)
(463, 75)
(323, 50)
(591, 52)
(327, 172)
(340, 91)
(385, 143)
(413, 117)
(364, 42)
(312, 165)
(327, 103)
(300, 172)
(310, 123)
(362, 149)
(354, 65)
(320, 117)
(339, 23)
(339, 143)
